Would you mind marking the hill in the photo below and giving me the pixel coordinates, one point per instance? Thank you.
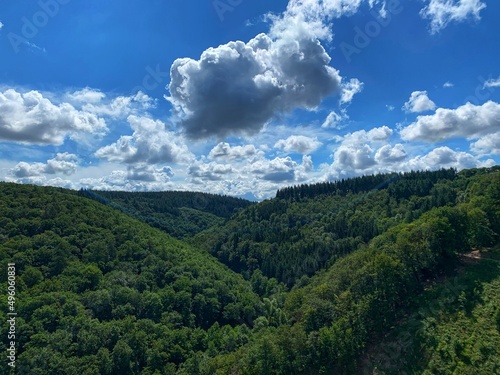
(452, 327)
(307, 228)
(334, 317)
(179, 213)
(100, 292)
(314, 280)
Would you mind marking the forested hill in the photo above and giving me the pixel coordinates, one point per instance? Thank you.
(403, 185)
(98, 292)
(312, 282)
(336, 319)
(179, 213)
(306, 228)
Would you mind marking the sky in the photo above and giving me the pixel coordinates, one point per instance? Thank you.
(243, 97)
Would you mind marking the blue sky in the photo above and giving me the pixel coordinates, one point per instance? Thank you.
(243, 97)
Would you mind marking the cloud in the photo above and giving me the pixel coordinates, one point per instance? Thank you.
(378, 134)
(150, 143)
(277, 170)
(444, 157)
(211, 171)
(488, 145)
(349, 89)
(442, 12)
(357, 149)
(448, 85)
(123, 105)
(389, 155)
(334, 120)
(149, 173)
(1, 25)
(390, 108)
(468, 121)
(238, 87)
(32, 118)
(135, 178)
(86, 95)
(64, 163)
(492, 83)
(299, 144)
(224, 151)
(119, 107)
(419, 102)
(354, 158)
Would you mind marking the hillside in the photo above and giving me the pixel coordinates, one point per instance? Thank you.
(179, 213)
(306, 228)
(453, 327)
(314, 280)
(100, 292)
(337, 314)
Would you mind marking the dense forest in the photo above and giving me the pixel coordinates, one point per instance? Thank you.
(181, 214)
(385, 274)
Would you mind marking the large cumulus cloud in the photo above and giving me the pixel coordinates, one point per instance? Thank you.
(238, 87)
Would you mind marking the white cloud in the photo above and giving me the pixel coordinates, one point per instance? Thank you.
(238, 87)
(349, 89)
(360, 157)
(276, 170)
(64, 163)
(86, 95)
(448, 85)
(118, 107)
(388, 154)
(492, 83)
(298, 143)
(135, 178)
(334, 120)
(32, 118)
(379, 134)
(442, 12)
(23, 169)
(150, 143)
(468, 121)
(211, 171)
(390, 108)
(1, 25)
(148, 173)
(487, 145)
(356, 152)
(444, 157)
(224, 151)
(419, 102)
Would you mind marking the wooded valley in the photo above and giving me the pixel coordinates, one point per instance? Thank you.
(383, 274)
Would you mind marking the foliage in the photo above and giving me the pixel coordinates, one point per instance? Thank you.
(100, 292)
(307, 228)
(181, 214)
(316, 279)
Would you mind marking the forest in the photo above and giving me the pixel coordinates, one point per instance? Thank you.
(385, 274)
